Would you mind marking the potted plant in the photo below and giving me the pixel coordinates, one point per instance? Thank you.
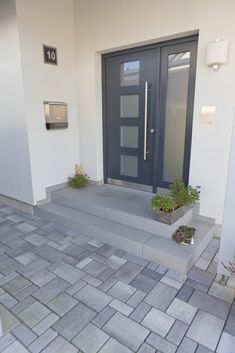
(169, 208)
(79, 180)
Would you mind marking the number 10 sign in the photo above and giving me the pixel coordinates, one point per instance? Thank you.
(50, 55)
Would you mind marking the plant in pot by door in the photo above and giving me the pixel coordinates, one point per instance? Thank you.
(170, 208)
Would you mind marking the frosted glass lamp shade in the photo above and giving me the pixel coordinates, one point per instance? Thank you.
(217, 53)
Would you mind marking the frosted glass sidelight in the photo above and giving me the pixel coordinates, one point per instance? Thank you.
(175, 119)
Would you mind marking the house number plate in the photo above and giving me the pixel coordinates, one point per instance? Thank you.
(50, 55)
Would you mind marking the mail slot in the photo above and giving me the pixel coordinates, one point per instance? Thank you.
(56, 115)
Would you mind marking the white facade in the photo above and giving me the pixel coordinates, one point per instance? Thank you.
(32, 158)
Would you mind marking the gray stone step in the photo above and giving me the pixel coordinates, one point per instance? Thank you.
(151, 246)
(124, 206)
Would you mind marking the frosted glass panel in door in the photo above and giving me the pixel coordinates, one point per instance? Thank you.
(175, 119)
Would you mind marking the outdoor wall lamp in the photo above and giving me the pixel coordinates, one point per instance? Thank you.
(217, 53)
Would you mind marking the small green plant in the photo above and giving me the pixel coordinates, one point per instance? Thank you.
(79, 180)
(163, 203)
(179, 195)
(183, 195)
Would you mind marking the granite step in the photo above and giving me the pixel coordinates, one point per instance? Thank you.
(151, 246)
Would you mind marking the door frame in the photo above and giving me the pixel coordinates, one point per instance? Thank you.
(159, 107)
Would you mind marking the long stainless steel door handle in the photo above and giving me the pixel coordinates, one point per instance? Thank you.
(145, 118)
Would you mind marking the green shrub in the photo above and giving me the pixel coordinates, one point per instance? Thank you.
(78, 181)
(179, 195)
(182, 194)
(163, 203)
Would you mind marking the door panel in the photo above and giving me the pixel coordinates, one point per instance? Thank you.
(126, 109)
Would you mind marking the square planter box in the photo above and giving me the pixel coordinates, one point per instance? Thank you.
(170, 217)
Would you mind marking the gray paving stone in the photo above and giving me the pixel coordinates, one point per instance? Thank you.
(36, 239)
(210, 304)
(24, 334)
(92, 280)
(146, 348)
(185, 293)
(136, 259)
(74, 321)
(76, 287)
(171, 282)
(22, 305)
(187, 346)
(106, 251)
(201, 276)
(128, 272)
(33, 314)
(42, 277)
(62, 304)
(197, 285)
(84, 262)
(177, 276)
(222, 292)
(33, 267)
(67, 272)
(45, 324)
(16, 285)
(230, 325)
(161, 296)
(26, 258)
(9, 321)
(90, 339)
(107, 284)
(113, 346)
(140, 312)
(101, 319)
(182, 311)
(151, 274)
(26, 292)
(158, 322)
(106, 274)
(202, 349)
(121, 307)
(7, 300)
(93, 297)
(126, 331)
(177, 332)
(50, 290)
(16, 347)
(60, 345)
(122, 291)
(143, 283)
(115, 262)
(49, 253)
(226, 344)
(41, 342)
(206, 329)
(6, 340)
(136, 298)
(25, 227)
(160, 343)
(95, 268)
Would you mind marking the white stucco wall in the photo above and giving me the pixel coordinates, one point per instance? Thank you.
(227, 244)
(53, 153)
(105, 25)
(15, 173)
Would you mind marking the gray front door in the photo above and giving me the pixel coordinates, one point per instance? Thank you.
(148, 108)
